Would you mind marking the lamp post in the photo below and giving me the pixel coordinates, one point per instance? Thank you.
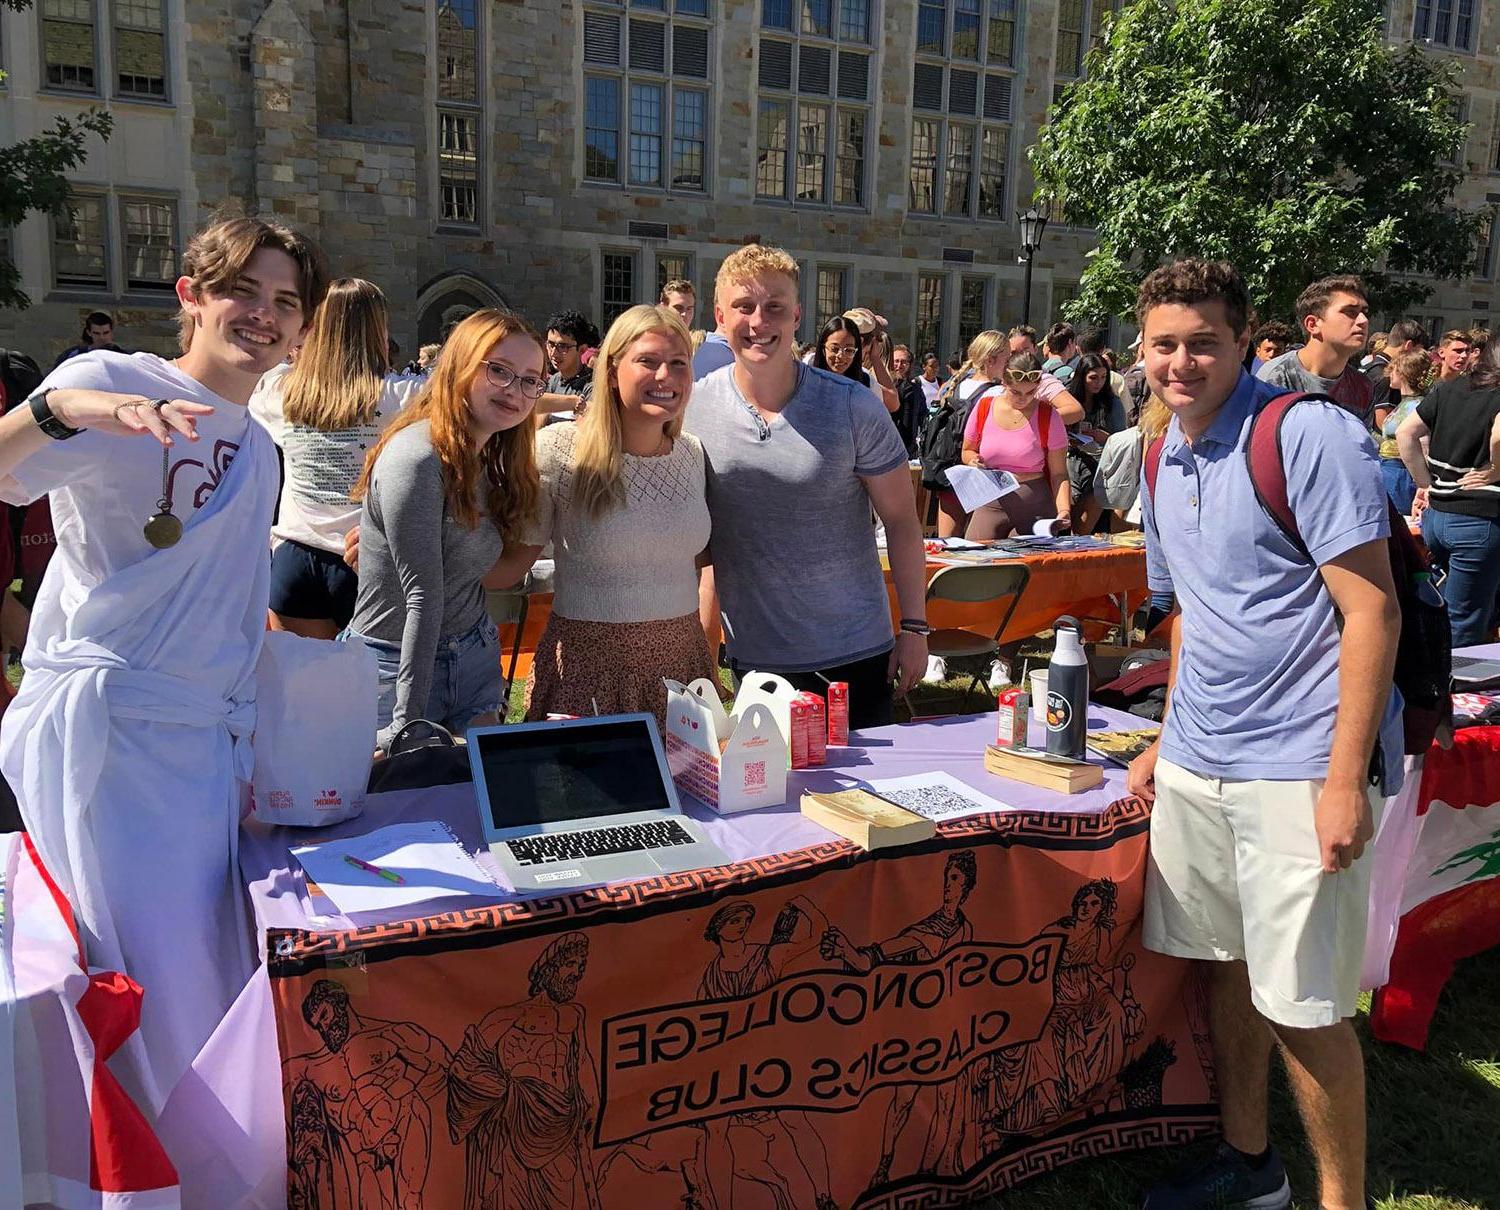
(1032, 222)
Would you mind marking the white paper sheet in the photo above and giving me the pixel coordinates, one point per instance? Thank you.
(976, 486)
(939, 796)
(433, 863)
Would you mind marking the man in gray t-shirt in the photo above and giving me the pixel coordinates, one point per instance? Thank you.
(797, 459)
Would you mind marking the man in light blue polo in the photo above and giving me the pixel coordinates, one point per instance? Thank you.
(1280, 697)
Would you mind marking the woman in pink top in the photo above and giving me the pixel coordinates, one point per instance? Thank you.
(1012, 429)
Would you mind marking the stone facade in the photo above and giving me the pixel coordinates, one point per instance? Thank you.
(325, 113)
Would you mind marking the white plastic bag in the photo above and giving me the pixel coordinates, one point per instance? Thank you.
(314, 731)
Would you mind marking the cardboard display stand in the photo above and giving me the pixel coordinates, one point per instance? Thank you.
(731, 762)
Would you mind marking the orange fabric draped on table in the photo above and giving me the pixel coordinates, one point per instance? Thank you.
(1094, 584)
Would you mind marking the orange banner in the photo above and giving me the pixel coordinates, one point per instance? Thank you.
(819, 1029)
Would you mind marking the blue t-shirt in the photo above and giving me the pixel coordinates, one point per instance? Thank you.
(1257, 675)
(713, 354)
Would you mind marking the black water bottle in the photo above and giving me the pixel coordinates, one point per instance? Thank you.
(1067, 692)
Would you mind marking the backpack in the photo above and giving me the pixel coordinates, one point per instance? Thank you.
(1044, 414)
(31, 534)
(943, 436)
(1424, 652)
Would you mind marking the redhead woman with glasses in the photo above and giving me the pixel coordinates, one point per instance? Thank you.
(451, 483)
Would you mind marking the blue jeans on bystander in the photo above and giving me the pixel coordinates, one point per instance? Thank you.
(1468, 550)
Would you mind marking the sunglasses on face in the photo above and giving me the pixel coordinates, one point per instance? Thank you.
(561, 346)
(503, 378)
(1023, 375)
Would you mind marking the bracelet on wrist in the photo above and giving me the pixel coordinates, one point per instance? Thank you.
(46, 421)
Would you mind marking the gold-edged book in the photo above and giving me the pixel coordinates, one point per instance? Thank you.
(868, 820)
(1043, 769)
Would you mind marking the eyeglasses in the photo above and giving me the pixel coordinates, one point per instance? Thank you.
(561, 346)
(1023, 375)
(503, 378)
(839, 352)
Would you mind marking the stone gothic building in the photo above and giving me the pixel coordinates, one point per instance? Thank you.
(544, 154)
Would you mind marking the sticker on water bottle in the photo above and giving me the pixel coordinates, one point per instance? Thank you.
(1059, 711)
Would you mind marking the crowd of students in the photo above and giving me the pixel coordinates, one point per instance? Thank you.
(687, 482)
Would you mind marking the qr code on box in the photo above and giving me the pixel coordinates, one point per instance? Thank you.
(755, 774)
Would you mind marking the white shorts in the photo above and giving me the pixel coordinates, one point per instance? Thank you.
(1235, 875)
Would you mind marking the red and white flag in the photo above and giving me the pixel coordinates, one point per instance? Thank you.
(77, 1140)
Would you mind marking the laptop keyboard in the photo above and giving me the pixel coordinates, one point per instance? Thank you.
(598, 842)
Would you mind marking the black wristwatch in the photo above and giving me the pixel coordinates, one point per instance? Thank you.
(46, 421)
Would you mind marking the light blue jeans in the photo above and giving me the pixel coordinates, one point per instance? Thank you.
(466, 679)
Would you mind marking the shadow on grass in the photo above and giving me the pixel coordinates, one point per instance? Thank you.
(1434, 1121)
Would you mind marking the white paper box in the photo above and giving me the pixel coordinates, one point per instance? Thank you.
(744, 773)
(775, 693)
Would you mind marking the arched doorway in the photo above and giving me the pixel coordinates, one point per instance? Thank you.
(447, 299)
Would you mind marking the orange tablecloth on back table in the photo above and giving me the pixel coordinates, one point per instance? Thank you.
(1089, 583)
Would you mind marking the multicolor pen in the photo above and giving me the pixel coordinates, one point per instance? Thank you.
(375, 869)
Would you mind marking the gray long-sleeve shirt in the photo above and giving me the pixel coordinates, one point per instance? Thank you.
(419, 567)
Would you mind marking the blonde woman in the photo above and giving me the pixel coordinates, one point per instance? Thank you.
(1013, 429)
(334, 403)
(451, 484)
(623, 504)
(983, 369)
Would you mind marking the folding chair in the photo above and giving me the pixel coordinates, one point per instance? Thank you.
(509, 609)
(971, 585)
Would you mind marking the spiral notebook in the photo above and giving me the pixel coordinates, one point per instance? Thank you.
(426, 855)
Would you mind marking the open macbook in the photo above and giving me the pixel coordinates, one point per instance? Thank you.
(579, 802)
(1473, 672)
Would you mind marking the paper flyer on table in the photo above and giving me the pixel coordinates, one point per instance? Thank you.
(938, 796)
(976, 486)
(425, 854)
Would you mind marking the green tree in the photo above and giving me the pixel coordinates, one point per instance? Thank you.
(1285, 136)
(34, 172)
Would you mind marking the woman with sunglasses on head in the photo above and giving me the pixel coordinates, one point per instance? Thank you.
(333, 405)
(451, 483)
(1012, 429)
(624, 504)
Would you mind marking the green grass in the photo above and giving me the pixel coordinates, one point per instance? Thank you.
(1434, 1120)
(1434, 1139)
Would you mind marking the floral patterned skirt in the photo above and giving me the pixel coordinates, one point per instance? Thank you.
(615, 666)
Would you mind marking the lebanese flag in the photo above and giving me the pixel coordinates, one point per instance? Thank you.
(70, 1136)
(1450, 892)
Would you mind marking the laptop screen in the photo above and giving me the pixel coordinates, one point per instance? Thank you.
(561, 774)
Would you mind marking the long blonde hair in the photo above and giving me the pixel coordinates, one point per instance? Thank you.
(598, 455)
(341, 370)
(508, 458)
(986, 346)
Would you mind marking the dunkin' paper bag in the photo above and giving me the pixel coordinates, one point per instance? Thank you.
(314, 731)
(730, 764)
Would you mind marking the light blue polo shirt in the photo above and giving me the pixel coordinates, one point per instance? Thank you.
(1257, 676)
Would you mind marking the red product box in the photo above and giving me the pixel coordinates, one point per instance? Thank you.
(801, 725)
(838, 714)
(817, 729)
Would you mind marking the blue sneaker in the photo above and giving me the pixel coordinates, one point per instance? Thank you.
(1223, 1181)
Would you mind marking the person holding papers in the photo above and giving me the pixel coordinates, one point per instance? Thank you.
(1010, 429)
(129, 743)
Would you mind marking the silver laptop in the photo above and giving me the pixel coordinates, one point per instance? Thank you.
(580, 802)
(1472, 672)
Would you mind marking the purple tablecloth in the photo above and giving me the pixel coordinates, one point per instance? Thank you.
(224, 1125)
(278, 891)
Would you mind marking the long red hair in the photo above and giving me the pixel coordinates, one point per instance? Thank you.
(508, 459)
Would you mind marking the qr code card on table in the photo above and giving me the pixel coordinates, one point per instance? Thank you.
(937, 796)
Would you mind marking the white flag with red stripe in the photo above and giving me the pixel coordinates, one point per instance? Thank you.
(77, 1140)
